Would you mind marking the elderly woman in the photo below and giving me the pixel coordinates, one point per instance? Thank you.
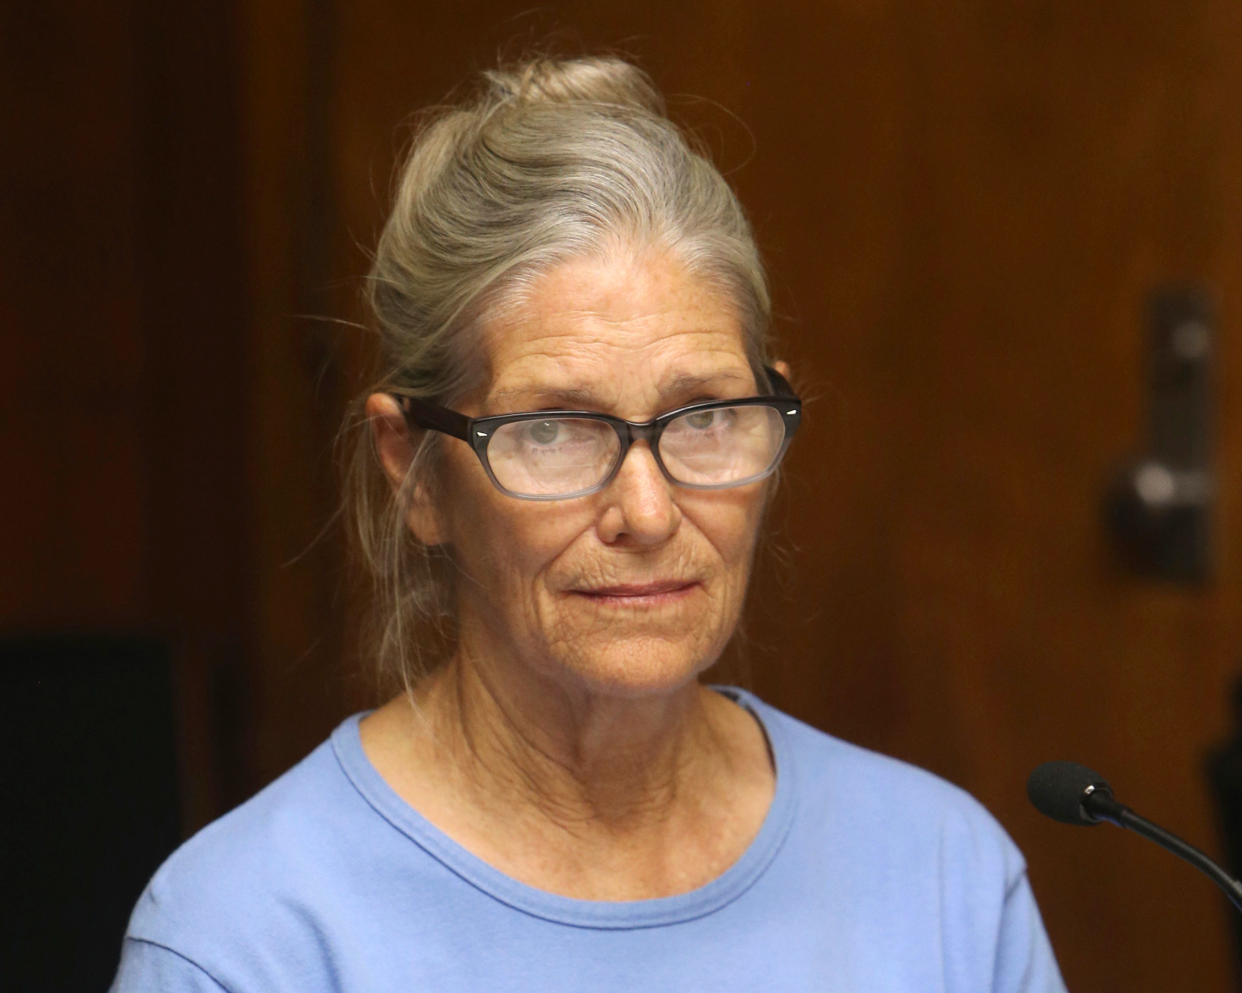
(569, 458)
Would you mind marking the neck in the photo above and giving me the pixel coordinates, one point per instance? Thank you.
(580, 759)
(591, 797)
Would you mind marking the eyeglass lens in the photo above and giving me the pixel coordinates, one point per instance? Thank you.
(557, 456)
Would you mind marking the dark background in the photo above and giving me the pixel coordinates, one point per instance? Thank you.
(964, 208)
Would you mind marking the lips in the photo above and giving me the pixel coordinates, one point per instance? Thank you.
(650, 593)
(639, 589)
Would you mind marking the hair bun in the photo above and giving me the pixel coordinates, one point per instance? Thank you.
(597, 80)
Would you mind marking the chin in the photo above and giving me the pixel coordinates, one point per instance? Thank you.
(635, 668)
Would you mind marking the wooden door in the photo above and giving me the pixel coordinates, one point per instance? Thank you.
(963, 208)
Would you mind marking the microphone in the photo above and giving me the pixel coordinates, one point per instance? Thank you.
(1073, 794)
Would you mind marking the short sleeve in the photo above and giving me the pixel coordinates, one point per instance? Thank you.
(1025, 962)
(146, 967)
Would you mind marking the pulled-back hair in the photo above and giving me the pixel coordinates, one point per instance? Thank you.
(547, 161)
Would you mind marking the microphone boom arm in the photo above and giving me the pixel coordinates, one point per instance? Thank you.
(1098, 804)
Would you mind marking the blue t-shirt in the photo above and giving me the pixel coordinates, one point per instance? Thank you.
(867, 876)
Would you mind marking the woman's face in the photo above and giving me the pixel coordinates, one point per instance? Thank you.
(635, 589)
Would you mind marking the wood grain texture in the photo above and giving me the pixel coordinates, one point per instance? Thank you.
(963, 212)
(963, 209)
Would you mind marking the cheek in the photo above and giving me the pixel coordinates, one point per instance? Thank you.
(729, 520)
(502, 545)
(470, 517)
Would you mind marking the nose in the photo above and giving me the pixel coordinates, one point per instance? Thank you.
(639, 508)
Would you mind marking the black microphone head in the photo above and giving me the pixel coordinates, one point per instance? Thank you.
(1057, 790)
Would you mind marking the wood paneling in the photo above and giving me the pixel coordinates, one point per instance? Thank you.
(70, 383)
(122, 398)
(963, 209)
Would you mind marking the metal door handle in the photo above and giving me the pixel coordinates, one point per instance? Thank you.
(1159, 506)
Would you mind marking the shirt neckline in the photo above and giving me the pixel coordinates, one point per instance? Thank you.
(601, 914)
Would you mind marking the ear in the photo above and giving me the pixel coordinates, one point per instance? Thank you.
(395, 448)
(782, 367)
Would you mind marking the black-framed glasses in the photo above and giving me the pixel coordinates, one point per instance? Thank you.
(560, 454)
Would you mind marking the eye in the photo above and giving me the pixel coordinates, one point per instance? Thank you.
(702, 420)
(543, 432)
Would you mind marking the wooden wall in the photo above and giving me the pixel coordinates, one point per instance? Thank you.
(963, 209)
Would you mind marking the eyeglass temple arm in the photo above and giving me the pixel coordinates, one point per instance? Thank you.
(429, 415)
(780, 385)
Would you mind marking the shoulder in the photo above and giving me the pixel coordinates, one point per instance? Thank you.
(878, 805)
(272, 832)
(256, 869)
(885, 849)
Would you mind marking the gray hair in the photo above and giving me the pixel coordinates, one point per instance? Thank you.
(546, 162)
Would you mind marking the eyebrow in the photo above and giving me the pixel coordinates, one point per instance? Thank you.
(580, 398)
(567, 397)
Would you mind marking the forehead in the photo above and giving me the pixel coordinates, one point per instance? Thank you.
(620, 331)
